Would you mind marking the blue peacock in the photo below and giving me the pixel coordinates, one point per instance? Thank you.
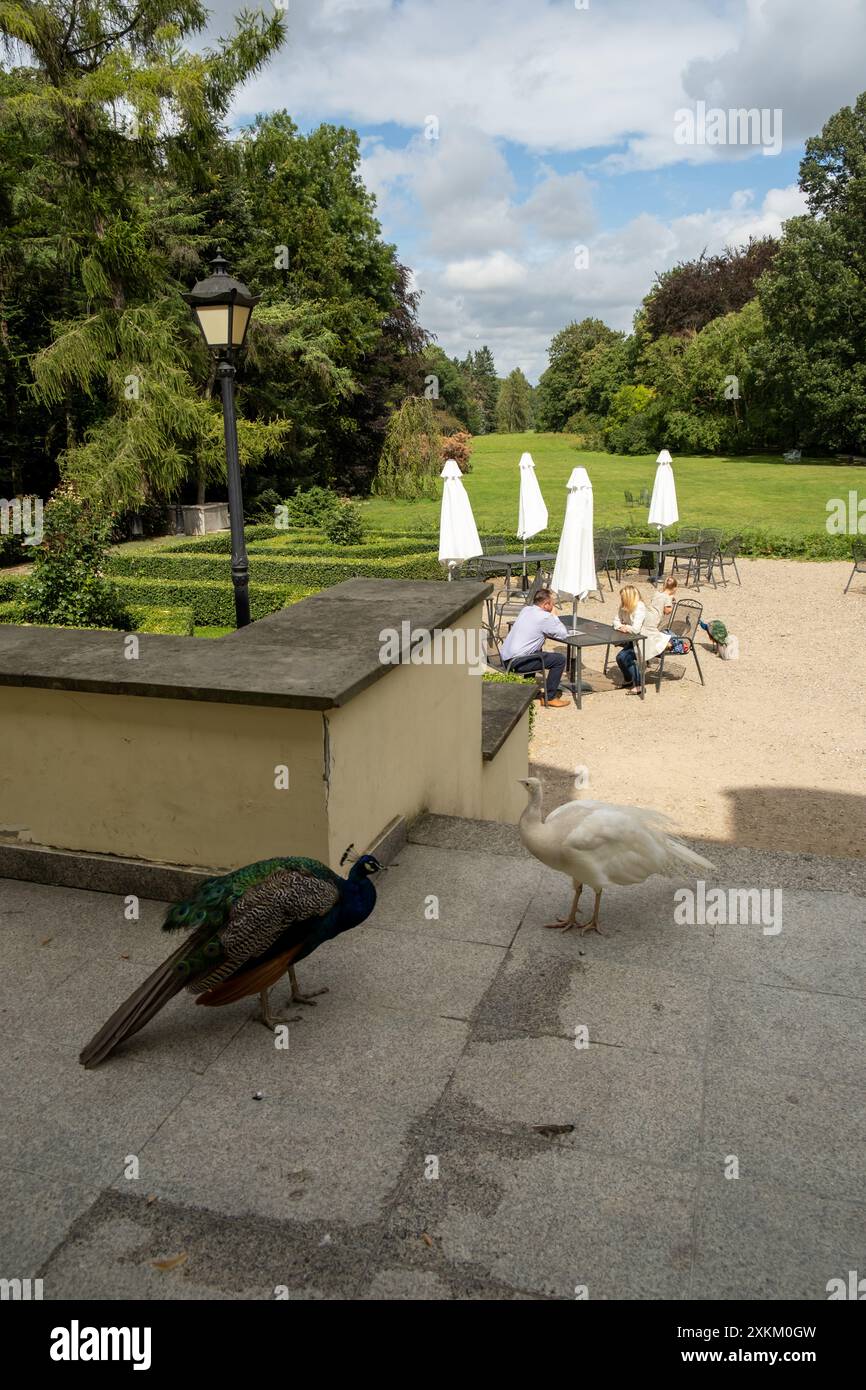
(247, 929)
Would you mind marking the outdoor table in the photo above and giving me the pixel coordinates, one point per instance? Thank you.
(585, 632)
(517, 557)
(660, 548)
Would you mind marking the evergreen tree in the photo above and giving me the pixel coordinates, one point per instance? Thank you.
(514, 410)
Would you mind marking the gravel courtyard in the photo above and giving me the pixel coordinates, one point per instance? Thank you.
(770, 753)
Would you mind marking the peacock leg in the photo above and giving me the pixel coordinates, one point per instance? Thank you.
(592, 925)
(564, 923)
(267, 1018)
(297, 998)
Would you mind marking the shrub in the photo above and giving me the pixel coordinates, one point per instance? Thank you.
(311, 507)
(310, 571)
(345, 526)
(177, 621)
(67, 586)
(458, 447)
(212, 603)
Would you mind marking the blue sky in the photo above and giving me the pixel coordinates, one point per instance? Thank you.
(555, 128)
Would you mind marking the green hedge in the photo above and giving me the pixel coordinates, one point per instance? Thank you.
(313, 572)
(8, 585)
(381, 548)
(212, 604)
(174, 621)
(220, 542)
(10, 611)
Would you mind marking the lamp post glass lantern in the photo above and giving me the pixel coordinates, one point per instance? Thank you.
(223, 308)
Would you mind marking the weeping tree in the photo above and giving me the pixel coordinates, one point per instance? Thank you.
(121, 113)
(411, 458)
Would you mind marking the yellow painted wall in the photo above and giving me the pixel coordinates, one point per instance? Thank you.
(419, 731)
(176, 781)
(192, 783)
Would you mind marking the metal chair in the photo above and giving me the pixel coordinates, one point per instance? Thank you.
(705, 553)
(684, 623)
(689, 535)
(858, 554)
(629, 499)
(645, 497)
(728, 552)
(505, 666)
(601, 555)
(508, 603)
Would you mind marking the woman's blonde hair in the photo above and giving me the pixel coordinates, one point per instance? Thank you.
(629, 598)
(670, 583)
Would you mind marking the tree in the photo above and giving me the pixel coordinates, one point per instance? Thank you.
(814, 298)
(445, 385)
(483, 389)
(686, 298)
(119, 109)
(411, 456)
(514, 411)
(562, 388)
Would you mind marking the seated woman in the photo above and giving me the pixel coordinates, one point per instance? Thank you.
(663, 600)
(634, 616)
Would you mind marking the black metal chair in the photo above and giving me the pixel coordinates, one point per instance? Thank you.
(728, 552)
(685, 623)
(505, 666)
(858, 555)
(601, 553)
(689, 535)
(510, 602)
(704, 554)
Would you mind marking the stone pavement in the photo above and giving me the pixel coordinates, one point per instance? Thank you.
(448, 1044)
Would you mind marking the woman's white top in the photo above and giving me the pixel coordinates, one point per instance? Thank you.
(645, 621)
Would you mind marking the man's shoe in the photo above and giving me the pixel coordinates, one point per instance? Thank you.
(558, 703)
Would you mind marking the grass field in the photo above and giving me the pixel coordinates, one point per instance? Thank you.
(789, 498)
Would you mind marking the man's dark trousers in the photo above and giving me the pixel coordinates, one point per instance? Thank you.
(552, 662)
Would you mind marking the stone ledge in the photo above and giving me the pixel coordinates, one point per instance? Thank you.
(316, 654)
(501, 708)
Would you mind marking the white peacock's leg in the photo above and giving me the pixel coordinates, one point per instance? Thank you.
(564, 923)
(267, 1018)
(296, 997)
(592, 924)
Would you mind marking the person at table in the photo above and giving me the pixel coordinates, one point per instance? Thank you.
(663, 601)
(523, 645)
(634, 616)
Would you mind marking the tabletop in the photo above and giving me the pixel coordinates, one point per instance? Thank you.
(589, 633)
(518, 557)
(659, 547)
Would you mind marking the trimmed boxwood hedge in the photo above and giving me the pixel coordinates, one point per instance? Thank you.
(212, 604)
(382, 548)
(312, 572)
(175, 621)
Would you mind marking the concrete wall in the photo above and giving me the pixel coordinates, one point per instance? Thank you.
(190, 782)
(176, 781)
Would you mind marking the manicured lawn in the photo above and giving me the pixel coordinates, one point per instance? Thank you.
(759, 492)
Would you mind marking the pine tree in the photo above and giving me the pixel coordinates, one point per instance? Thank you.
(514, 413)
(119, 108)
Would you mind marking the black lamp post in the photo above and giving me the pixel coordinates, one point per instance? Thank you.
(223, 308)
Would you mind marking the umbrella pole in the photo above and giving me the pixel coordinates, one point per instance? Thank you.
(524, 584)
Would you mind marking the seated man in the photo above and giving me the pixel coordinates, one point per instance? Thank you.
(523, 645)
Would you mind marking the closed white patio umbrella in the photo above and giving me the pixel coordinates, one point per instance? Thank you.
(663, 504)
(458, 534)
(532, 512)
(574, 571)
